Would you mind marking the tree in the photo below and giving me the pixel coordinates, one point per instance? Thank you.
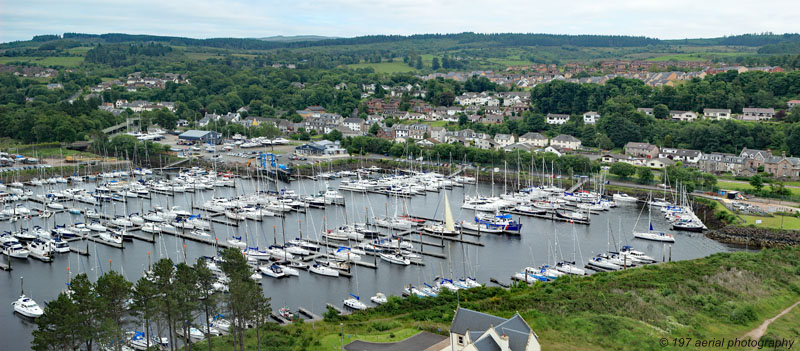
(435, 63)
(418, 65)
(56, 328)
(374, 128)
(113, 293)
(208, 299)
(333, 135)
(661, 111)
(604, 142)
(164, 277)
(757, 182)
(145, 302)
(622, 169)
(186, 297)
(87, 322)
(644, 174)
(462, 120)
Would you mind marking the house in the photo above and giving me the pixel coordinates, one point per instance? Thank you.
(683, 115)
(782, 166)
(477, 331)
(417, 131)
(535, 139)
(520, 146)
(793, 103)
(757, 114)
(683, 155)
(754, 158)
(717, 113)
(554, 118)
(54, 86)
(401, 131)
(353, 123)
(565, 141)
(659, 163)
(321, 148)
(503, 140)
(716, 162)
(591, 117)
(641, 150)
(485, 144)
(492, 119)
(438, 133)
(646, 110)
(555, 150)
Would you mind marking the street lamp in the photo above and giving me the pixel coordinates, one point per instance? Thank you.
(341, 335)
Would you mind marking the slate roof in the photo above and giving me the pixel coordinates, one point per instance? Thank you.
(487, 344)
(566, 138)
(472, 320)
(532, 135)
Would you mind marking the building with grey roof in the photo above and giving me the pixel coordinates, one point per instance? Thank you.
(477, 331)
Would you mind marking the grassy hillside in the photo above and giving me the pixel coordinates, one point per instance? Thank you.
(723, 295)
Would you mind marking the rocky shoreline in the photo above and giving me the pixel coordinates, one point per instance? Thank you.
(755, 237)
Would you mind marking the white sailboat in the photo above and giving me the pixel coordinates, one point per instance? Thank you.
(25, 305)
(449, 225)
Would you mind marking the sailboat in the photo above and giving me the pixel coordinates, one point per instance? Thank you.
(448, 228)
(651, 234)
(355, 303)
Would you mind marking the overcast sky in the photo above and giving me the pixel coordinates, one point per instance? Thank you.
(665, 19)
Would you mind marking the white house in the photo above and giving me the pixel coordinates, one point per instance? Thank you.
(503, 140)
(554, 118)
(683, 155)
(659, 162)
(535, 139)
(477, 331)
(717, 113)
(591, 117)
(566, 142)
(757, 114)
(793, 103)
(354, 124)
(683, 115)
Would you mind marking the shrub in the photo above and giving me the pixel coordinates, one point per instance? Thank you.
(743, 314)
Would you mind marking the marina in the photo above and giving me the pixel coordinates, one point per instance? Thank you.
(400, 257)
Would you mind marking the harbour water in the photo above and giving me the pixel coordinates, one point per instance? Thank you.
(499, 257)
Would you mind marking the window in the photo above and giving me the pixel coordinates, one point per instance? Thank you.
(460, 340)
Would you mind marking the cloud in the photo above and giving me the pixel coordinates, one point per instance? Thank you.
(21, 19)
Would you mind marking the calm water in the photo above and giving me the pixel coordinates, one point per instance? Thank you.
(500, 257)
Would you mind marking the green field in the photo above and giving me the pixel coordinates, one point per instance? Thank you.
(397, 66)
(746, 186)
(787, 327)
(775, 222)
(334, 341)
(66, 61)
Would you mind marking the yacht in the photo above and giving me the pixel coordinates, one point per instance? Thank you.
(354, 303)
(622, 197)
(320, 269)
(379, 299)
(111, 237)
(60, 246)
(395, 258)
(599, 263)
(655, 236)
(12, 247)
(273, 271)
(41, 250)
(26, 306)
(569, 267)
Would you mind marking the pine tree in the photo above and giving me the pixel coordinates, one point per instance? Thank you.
(145, 303)
(113, 293)
(56, 328)
(208, 299)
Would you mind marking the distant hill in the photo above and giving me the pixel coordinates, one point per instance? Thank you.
(296, 38)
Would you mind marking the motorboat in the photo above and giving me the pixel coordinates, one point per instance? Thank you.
(111, 237)
(40, 249)
(379, 299)
(60, 246)
(622, 197)
(26, 306)
(354, 302)
(286, 313)
(195, 334)
(272, 271)
(12, 248)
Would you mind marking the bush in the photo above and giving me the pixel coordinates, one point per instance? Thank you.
(743, 314)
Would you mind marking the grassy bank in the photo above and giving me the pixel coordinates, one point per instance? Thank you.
(723, 295)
